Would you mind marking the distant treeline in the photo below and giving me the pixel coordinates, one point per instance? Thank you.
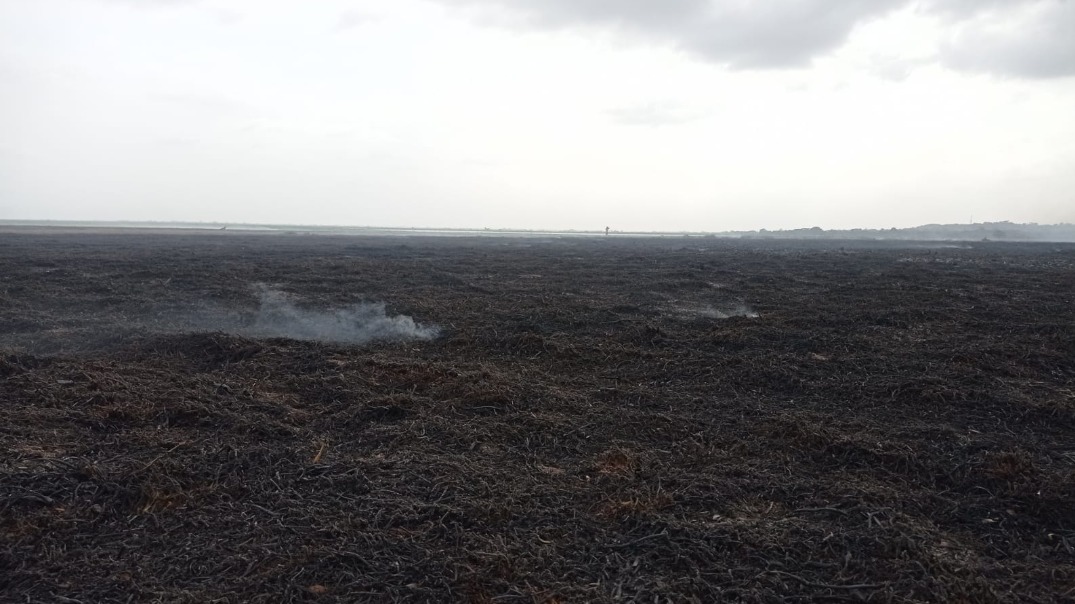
(984, 231)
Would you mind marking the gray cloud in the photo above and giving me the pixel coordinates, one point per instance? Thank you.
(1024, 39)
(790, 33)
(351, 19)
(962, 9)
(229, 17)
(653, 114)
(896, 69)
(772, 34)
(152, 3)
(205, 104)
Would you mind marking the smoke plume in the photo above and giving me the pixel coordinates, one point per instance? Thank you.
(278, 316)
(739, 310)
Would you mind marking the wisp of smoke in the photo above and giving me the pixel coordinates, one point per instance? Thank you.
(279, 317)
(740, 310)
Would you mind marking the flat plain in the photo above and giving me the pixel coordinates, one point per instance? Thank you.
(599, 419)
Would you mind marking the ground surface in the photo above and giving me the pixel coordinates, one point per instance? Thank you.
(896, 424)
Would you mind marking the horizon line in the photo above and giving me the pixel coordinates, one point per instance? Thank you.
(220, 225)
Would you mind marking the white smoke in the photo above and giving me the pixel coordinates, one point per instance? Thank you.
(278, 316)
(739, 310)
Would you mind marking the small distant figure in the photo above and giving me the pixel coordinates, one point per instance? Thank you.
(224, 228)
(606, 231)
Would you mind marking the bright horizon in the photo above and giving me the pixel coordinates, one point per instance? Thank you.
(693, 115)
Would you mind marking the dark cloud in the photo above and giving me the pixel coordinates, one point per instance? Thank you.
(790, 33)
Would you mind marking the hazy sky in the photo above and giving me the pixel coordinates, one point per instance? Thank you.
(636, 114)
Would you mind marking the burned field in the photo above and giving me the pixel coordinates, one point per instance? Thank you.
(596, 420)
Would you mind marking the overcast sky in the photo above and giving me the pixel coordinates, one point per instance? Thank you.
(635, 114)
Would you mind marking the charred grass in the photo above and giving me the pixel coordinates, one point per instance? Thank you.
(896, 424)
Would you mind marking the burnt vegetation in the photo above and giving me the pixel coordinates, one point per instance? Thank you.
(897, 423)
